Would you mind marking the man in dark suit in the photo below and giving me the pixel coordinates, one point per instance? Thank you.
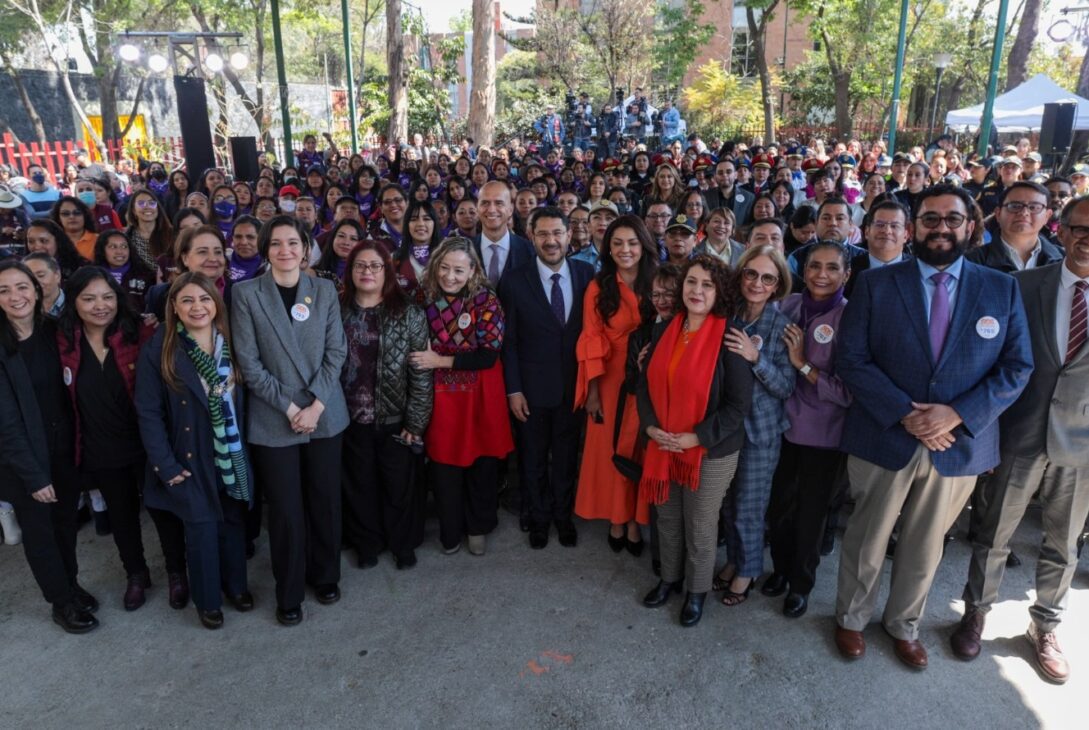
(932, 350)
(1021, 215)
(542, 301)
(730, 195)
(500, 250)
(1045, 446)
(887, 232)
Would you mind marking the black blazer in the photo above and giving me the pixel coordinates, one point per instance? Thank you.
(722, 431)
(24, 454)
(993, 255)
(521, 253)
(538, 352)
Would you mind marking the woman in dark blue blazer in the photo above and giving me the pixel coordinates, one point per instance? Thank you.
(190, 408)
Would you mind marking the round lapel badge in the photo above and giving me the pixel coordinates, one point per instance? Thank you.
(987, 327)
(300, 312)
(757, 342)
(823, 334)
(464, 321)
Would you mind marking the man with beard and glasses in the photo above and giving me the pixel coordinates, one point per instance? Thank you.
(933, 351)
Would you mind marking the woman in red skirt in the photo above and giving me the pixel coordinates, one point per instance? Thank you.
(470, 428)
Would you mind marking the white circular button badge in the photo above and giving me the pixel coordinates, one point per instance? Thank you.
(757, 342)
(823, 334)
(987, 327)
(464, 321)
(300, 312)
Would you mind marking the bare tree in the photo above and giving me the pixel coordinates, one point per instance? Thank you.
(482, 94)
(371, 9)
(398, 72)
(1017, 63)
(758, 33)
(618, 33)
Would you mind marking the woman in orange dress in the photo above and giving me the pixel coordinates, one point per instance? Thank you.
(617, 302)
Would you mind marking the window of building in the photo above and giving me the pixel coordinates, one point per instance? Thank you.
(742, 54)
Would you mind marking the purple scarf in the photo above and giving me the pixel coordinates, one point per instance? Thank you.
(119, 273)
(811, 308)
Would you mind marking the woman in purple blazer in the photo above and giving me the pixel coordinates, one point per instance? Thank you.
(810, 458)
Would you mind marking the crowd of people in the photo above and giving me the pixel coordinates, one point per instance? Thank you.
(707, 345)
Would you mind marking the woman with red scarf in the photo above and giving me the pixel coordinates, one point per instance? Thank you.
(470, 427)
(693, 402)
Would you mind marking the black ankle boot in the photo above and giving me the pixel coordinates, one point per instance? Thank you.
(693, 609)
(660, 594)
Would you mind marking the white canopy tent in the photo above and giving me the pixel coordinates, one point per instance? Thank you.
(1021, 109)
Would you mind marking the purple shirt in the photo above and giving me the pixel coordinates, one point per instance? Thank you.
(816, 412)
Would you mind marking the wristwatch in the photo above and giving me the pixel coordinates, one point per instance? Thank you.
(805, 369)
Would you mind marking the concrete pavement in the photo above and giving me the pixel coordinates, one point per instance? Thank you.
(517, 638)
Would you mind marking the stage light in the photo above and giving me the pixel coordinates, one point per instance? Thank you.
(239, 60)
(129, 52)
(157, 62)
(214, 62)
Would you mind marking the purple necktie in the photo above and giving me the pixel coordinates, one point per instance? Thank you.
(557, 299)
(493, 265)
(939, 315)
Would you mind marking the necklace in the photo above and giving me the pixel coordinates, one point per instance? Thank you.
(685, 331)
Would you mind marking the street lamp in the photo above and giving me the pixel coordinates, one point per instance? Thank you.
(941, 62)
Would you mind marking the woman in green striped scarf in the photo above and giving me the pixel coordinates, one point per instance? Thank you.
(190, 402)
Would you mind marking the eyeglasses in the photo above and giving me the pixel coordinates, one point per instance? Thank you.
(765, 279)
(658, 216)
(70, 213)
(1078, 232)
(1017, 207)
(661, 296)
(887, 226)
(147, 203)
(933, 220)
(393, 201)
(371, 268)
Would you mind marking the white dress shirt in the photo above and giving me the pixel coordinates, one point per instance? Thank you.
(1064, 304)
(1015, 255)
(565, 285)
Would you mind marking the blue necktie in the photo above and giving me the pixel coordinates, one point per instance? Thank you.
(557, 299)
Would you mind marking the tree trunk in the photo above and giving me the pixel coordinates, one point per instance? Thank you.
(482, 94)
(24, 97)
(758, 35)
(1017, 64)
(841, 82)
(398, 73)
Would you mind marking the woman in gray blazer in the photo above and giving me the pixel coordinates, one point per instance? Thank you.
(290, 346)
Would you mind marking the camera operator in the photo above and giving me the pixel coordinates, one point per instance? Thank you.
(551, 129)
(582, 121)
(608, 131)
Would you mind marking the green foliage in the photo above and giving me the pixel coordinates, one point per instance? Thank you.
(678, 39)
(1063, 66)
(462, 22)
(719, 103)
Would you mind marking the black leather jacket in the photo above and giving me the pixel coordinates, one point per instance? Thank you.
(403, 394)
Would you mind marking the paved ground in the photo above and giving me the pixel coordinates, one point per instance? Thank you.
(516, 639)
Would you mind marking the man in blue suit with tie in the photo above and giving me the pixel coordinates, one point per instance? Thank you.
(542, 301)
(500, 249)
(933, 351)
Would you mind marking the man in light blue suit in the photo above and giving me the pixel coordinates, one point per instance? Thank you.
(933, 351)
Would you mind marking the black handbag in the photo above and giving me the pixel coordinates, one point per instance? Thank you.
(628, 467)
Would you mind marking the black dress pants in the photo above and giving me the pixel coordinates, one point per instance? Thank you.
(49, 531)
(121, 490)
(467, 498)
(216, 553)
(379, 491)
(548, 462)
(801, 490)
(302, 486)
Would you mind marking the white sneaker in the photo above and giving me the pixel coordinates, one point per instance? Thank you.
(12, 534)
(476, 544)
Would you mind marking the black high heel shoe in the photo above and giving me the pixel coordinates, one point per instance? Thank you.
(635, 548)
(661, 593)
(730, 598)
(693, 609)
(617, 543)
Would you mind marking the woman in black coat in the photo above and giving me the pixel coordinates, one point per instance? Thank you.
(37, 438)
(189, 405)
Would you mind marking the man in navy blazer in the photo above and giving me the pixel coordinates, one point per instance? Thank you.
(933, 351)
(499, 249)
(542, 301)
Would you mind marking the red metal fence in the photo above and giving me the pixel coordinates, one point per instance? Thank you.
(53, 156)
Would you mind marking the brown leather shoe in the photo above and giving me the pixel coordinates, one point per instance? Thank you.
(851, 644)
(1049, 656)
(966, 641)
(910, 652)
(134, 591)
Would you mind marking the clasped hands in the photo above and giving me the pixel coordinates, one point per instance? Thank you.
(676, 442)
(932, 424)
(305, 420)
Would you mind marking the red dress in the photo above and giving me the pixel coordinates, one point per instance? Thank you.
(469, 419)
(603, 492)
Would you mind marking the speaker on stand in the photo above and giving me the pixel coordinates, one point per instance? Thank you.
(244, 158)
(195, 127)
(1057, 131)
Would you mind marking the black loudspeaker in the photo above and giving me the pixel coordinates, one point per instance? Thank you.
(195, 127)
(1057, 128)
(244, 158)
